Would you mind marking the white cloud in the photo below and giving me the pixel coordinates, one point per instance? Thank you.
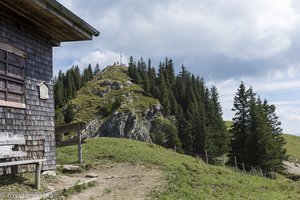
(103, 58)
(230, 37)
(285, 73)
(245, 29)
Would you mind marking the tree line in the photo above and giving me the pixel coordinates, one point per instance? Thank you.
(196, 107)
(255, 138)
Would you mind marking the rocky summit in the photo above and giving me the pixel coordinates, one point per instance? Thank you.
(114, 106)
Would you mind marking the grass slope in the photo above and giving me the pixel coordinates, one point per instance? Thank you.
(187, 177)
(293, 146)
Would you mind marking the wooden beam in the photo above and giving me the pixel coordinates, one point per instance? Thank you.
(9, 48)
(73, 141)
(70, 127)
(21, 162)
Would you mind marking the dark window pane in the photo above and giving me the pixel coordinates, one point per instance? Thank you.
(2, 84)
(15, 87)
(15, 59)
(2, 95)
(15, 97)
(2, 54)
(2, 67)
(15, 72)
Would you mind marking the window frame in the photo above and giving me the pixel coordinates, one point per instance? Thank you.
(5, 76)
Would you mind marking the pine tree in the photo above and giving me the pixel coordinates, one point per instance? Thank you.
(97, 69)
(69, 113)
(76, 77)
(218, 138)
(257, 139)
(240, 128)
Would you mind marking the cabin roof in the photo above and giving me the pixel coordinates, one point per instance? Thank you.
(52, 18)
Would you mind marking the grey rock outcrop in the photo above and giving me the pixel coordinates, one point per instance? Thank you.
(129, 125)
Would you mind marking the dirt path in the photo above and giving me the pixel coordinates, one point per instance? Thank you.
(121, 181)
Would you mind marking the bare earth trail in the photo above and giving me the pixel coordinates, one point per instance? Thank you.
(121, 181)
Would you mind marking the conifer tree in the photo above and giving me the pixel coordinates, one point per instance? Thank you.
(218, 138)
(240, 128)
(76, 77)
(97, 69)
(256, 133)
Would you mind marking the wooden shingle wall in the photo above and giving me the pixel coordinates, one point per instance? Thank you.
(36, 122)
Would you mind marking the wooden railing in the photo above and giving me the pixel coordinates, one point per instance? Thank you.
(60, 131)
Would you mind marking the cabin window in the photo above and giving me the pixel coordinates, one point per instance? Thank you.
(12, 64)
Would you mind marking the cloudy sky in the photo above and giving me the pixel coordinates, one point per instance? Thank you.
(224, 41)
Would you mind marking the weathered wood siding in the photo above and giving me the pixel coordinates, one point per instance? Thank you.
(36, 122)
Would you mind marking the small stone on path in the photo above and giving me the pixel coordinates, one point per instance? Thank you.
(71, 168)
(92, 175)
(49, 173)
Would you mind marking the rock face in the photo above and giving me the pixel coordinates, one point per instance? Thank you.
(129, 125)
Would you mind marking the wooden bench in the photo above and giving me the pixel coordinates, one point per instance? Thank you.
(8, 142)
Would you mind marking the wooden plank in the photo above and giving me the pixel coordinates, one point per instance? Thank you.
(21, 162)
(13, 154)
(73, 141)
(70, 127)
(7, 138)
(9, 48)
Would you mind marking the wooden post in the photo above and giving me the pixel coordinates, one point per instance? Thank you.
(175, 148)
(235, 162)
(206, 156)
(223, 159)
(38, 175)
(14, 170)
(79, 145)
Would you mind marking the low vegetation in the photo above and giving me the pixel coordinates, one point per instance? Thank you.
(187, 177)
(293, 147)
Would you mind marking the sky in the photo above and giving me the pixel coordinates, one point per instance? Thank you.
(223, 41)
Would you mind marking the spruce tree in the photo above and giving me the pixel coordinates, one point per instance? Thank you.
(97, 69)
(256, 135)
(218, 138)
(240, 128)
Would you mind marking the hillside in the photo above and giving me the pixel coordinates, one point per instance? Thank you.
(186, 177)
(293, 146)
(114, 106)
(102, 91)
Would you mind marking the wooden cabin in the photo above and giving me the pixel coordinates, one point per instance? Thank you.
(28, 31)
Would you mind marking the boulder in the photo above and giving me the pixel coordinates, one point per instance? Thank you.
(49, 173)
(71, 168)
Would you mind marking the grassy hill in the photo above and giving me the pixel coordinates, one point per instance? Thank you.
(187, 177)
(293, 146)
(96, 95)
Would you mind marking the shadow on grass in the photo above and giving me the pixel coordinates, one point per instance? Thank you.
(7, 180)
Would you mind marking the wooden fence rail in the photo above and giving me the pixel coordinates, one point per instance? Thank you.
(75, 127)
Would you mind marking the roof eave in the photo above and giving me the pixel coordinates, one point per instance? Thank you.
(69, 17)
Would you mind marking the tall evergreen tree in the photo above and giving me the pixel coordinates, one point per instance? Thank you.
(240, 128)
(256, 134)
(218, 138)
(97, 69)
